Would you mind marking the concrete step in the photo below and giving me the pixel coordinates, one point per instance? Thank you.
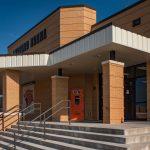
(76, 127)
(94, 136)
(48, 143)
(30, 141)
(4, 146)
(72, 140)
(78, 134)
(139, 146)
(21, 145)
(101, 129)
(137, 131)
(100, 145)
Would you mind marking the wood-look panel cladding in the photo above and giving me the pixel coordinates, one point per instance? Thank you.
(63, 26)
(125, 19)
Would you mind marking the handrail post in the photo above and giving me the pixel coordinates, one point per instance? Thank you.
(18, 123)
(3, 122)
(69, 106)
(14, 140)
(40, 113)
(44, 126)
(22, 117)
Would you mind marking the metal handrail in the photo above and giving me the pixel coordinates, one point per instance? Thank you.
(45, 119)
(49, 109)
(11, 116)
(18, 112)
(2, 114)
(5, 116)
(22, 115)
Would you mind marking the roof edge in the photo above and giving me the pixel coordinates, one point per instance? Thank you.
(79, 5)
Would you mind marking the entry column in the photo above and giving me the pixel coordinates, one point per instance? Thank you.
(59, 93)
(11, 89)
(113, 92)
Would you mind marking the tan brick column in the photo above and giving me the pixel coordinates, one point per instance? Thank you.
(113, 92)
(60, 92)
(148, 90)
(11, 89)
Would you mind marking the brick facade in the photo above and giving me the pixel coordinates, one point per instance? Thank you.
(113, 92)
(11, 89)
(59, 93)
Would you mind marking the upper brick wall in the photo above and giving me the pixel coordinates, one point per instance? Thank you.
(124, 19)
(62, 26)
(75, 22)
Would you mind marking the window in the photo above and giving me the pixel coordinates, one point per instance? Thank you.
(41, 35)
(38, 38)
(136, 22)
(31, 42)
(45, 35)
(27, 44)
(34, 43)
(24, 47)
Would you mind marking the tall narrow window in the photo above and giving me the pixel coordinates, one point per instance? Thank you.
(31, 42)
(45, 34)
(37, 38)
(41, 35)
(34, 43)
(27, 44)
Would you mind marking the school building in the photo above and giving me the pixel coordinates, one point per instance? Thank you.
(103, 67)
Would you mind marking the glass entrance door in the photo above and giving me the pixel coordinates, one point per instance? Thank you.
(100, 97)
(135, 93)
(129, 103)
(141, 98)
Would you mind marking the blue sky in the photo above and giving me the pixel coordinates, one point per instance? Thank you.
(17, 16)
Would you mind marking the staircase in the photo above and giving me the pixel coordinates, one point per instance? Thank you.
(77, 136)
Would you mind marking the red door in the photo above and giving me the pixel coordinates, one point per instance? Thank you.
(77, 104)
